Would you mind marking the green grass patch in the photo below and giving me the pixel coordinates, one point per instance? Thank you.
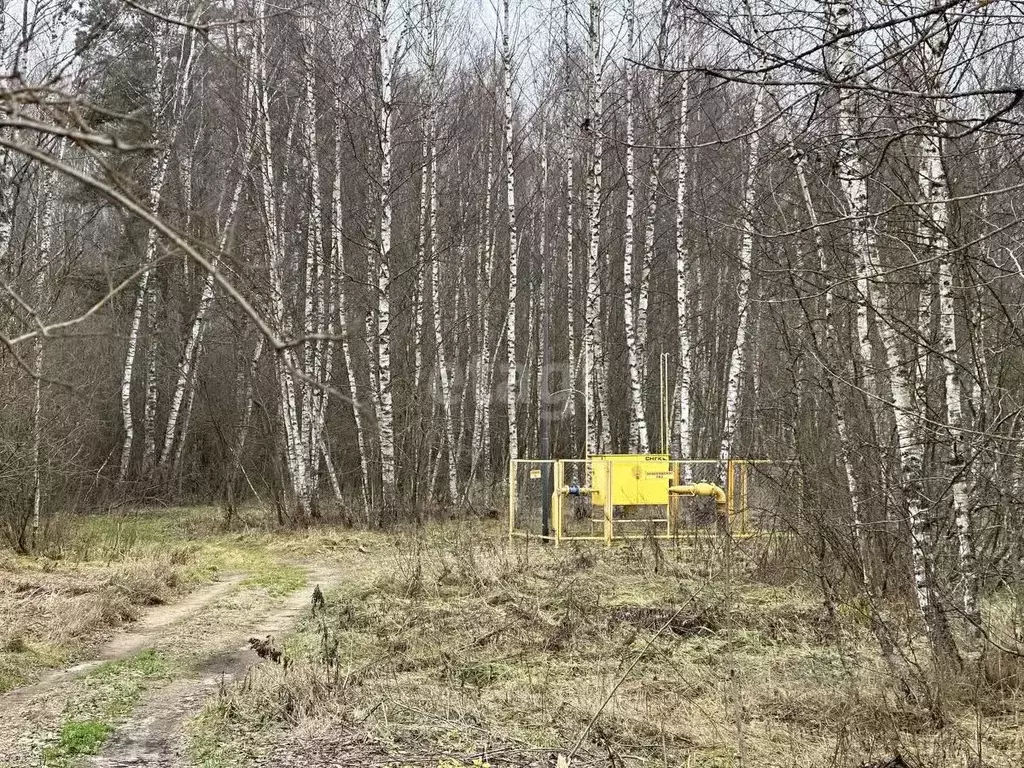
(77, 738)
(277, 579)
(205, 549)
(115, 688)
(111, 691)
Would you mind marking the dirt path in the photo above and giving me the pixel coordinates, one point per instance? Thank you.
(153, 734)
(206, 635)
(129, 640)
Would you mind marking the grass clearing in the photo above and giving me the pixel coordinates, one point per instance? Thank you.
(459, 646)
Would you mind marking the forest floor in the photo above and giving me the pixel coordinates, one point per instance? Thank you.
(456, 648)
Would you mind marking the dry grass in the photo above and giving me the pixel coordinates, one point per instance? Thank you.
(54, 608)
(50, 611)
(106, 569)
(459, 645)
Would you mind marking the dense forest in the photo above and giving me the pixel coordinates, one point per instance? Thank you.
(301, 255)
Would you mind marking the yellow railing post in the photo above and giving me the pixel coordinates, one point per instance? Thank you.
(744, 506)
(669, 509)
(556, 501)
(609, 521)
(730, 495)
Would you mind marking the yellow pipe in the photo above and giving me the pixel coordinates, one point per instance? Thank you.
(700, 489)
(579, 491)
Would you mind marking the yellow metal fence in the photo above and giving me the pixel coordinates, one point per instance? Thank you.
(605, 498)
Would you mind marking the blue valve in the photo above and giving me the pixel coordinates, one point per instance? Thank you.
(574, 489)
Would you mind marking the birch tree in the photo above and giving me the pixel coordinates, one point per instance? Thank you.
(172, 89)
(288, 367)
(738, 356)
(638, 442)
(485, 364)
(853, 182)
(681, 395)
(653, 186)
(441, 339)
(512, 382)
(44, 240)
(388, 51)
(596, 413)
(933, 234)
(158, 175)
(338, 254)
(569, 127)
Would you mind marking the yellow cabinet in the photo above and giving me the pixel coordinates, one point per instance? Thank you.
(634, 479)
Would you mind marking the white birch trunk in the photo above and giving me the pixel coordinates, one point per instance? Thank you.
(933, 233)
(653, 184)
(681, 398)
(597, 418)
(316, 351)
(285, 363)
(181, 89)
(568, 127)
(463, 358)
(155, 191)
(484, 368)
(854, 185)
(6, 204)
(638, 440)
(440, 341)
(512, 382)
(186, 418)
(421, 265)
(151, 385)
(907, 411)
(166, 124)
(855, 192)
(331, 474)
(738, 357)
(337, 249)
(541, 263)
(444, 374)
(385, 415)
(44, 240)
(910, 447)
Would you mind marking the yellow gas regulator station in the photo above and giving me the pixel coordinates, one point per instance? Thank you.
(623, 496)
(629, 496)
